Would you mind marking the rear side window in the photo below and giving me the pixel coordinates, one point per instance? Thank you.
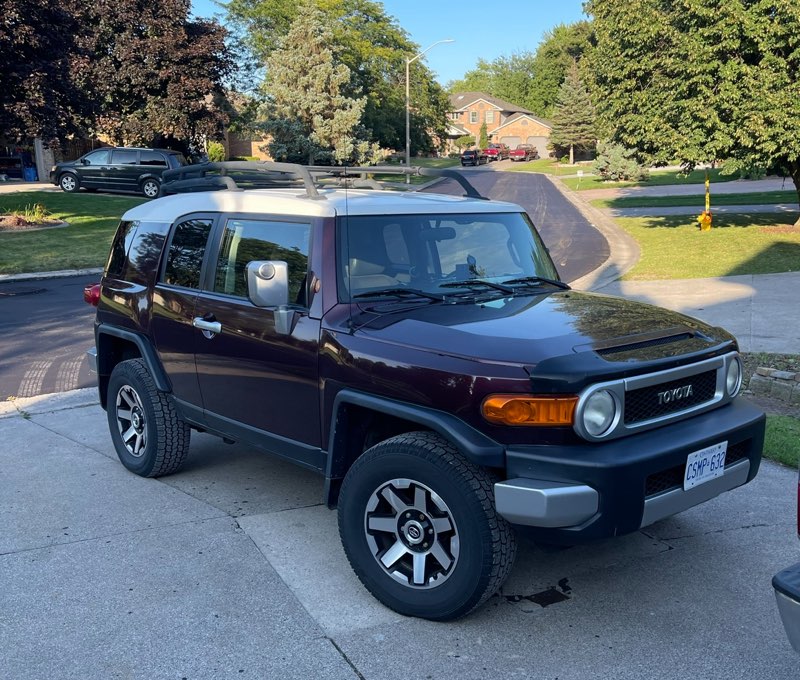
(153, 158)
(119, 249)
(176, 160)
(124, 157)
(185, 255)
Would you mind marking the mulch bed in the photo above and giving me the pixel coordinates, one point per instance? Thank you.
(19, 223)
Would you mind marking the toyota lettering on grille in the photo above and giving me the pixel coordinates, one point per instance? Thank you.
(675, 394)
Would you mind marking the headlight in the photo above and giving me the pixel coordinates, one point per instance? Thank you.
(54, 168)
(599, 413)
(733, 379)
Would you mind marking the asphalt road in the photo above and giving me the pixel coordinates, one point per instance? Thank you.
(47, 327)
(575, 245)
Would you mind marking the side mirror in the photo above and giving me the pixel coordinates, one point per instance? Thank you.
(268, 286)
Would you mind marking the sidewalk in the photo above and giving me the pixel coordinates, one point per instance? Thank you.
(739, 186)
(663, 211)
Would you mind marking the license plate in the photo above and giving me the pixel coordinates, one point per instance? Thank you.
(704, 465)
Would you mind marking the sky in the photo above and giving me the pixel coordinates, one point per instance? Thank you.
(519, 28)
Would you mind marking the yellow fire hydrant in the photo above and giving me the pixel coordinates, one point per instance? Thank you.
(704, 218)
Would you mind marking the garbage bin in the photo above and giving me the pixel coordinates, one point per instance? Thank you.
(30, 175)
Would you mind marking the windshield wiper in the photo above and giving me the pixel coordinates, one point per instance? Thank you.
(401, 292)
(475, 283)
(534, 280)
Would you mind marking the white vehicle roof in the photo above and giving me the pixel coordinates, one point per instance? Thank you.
(296, 202)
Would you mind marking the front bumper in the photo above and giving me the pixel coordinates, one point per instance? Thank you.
(570, 494)
(787, 592)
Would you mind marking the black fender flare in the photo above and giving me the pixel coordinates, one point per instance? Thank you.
(146, 350)
(474, 445)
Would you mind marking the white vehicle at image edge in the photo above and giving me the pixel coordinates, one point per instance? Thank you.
(787, 592)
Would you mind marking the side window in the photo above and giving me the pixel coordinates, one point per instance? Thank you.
(244, 241)
(152, 158)
(97, 157)
(185, 255)
(490, 116)
(119, 249)
(124, 157)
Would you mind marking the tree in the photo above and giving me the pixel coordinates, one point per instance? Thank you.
(371, 44)
(483, 137)
(308, 114)
(560, 48)
(464, 142)
(701, 81)
(574, 117)
(38, 95)
(153, 74)
(507, 78)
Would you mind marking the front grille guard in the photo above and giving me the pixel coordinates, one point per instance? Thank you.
(619, 389)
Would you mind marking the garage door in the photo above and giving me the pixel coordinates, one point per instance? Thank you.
(511, 141)
(540, 144)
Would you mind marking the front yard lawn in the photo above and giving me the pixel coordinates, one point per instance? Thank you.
(548, 166)
(92, 218)
(657, 178)
(755, 198)
(782, 440)
(674, 248)
(423, 163)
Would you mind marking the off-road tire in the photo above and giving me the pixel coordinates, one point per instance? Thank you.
(166, 437)
(486, 544)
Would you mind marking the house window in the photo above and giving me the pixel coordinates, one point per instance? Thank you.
(455, 116)
(473, 116)
(490, 116)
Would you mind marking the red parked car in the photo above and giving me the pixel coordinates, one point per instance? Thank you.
(497, 152)
(524, 152)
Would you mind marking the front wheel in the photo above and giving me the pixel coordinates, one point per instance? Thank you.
(419, 527)
(69, 183)
(150, 188)
(150, 438)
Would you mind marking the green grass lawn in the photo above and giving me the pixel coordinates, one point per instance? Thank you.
(549, 166)
(674, 248)
(92, 218)
(657, 178)
(782, 441)
(756, 198)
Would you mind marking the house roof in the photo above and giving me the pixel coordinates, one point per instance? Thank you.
(460, 100)
(454, 130)
(515, 117)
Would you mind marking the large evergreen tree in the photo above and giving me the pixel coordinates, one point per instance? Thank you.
(574, 116)
(308, 114)
(371, 44)
(701, 80)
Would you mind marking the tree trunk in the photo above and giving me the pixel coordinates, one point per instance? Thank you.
(571, 154)
(794, 172)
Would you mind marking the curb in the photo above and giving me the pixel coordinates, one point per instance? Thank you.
(24, 407)
(625, 252)
(35, 276)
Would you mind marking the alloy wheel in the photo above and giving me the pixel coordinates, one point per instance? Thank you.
(131, 421)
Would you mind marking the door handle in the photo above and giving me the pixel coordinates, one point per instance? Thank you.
(210, 326)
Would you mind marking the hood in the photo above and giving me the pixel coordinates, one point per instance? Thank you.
(530, 329)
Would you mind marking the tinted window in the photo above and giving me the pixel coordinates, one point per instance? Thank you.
(152, 158)
(247, 240)
(119, 249)
(176, 160)
(124, 157)
(185, 256)
(97, 157)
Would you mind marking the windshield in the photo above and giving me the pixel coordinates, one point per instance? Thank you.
(436, 253)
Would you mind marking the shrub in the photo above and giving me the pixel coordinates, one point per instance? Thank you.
(216, 152)
(615, 163)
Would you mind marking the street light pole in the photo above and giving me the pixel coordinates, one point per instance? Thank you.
(408, 101)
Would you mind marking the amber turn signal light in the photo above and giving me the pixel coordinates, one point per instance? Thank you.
(517, 409)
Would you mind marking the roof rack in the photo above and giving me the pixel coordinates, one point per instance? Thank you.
(240, 175)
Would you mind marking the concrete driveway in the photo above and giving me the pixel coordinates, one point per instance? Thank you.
(232, 569)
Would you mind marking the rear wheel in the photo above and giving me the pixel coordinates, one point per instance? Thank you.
(149, 436)
(419, 527)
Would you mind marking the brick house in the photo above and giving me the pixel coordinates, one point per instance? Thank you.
(505, 122)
